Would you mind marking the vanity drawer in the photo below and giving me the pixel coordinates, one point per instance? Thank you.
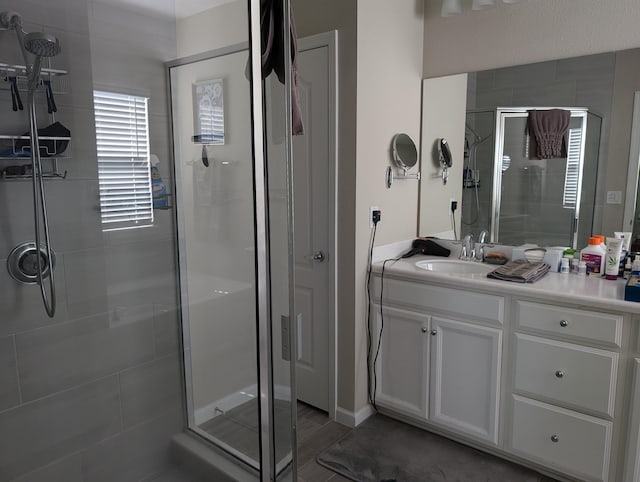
(582, 377)
(587, 325)
(568, 441)
(448, 301)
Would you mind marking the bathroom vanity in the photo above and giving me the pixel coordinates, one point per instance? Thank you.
(545, 374)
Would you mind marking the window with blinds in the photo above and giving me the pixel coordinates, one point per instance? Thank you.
(122, 135)
(572, 173)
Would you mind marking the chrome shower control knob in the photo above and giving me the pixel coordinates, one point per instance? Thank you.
(424, 330)
(434, 332)
(564, 323)
(555, 438)
(559, 374)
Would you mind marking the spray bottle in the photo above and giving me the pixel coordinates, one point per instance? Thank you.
(158, 189)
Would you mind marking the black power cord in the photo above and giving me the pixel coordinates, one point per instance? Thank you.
(370, 395)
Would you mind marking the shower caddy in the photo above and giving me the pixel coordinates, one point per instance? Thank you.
(16, 147)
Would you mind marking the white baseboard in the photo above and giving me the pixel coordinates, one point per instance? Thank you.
(218, 407)
(351, 419)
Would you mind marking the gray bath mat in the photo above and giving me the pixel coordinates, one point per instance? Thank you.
(382, 449)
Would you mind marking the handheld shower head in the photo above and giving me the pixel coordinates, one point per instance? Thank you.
(41, 44)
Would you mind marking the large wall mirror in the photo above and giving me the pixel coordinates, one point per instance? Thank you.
(501, 189)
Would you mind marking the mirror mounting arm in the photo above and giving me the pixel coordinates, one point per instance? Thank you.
(390, 176)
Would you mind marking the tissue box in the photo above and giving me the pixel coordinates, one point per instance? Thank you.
(553, 256)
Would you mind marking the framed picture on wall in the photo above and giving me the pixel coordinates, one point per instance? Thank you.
(208, 112)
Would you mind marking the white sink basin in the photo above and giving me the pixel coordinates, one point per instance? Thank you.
(454, 266)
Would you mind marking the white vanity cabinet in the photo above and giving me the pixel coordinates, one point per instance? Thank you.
(563, 392)
(465, 378)
(632, 469)
(438, 362)
(403, 361)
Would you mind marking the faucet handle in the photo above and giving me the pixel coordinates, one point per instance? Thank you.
(482, 237)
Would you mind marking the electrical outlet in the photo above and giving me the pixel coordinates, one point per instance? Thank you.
(372, 210)
(453, 205)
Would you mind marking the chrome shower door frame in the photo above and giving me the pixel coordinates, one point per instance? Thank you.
(504, 113)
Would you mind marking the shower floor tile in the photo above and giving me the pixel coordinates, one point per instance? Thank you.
(239, 428)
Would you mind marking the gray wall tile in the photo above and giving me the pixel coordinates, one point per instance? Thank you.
(59, 357)
(21, 305)
(9, 388)
(133, 454)
(166, 328)
(68, 469)
(37, 433)
(151, 390)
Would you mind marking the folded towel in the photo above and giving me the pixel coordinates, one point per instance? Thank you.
(547, 130)
(520, 271)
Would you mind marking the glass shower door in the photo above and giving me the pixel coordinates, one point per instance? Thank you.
(536, 199)
(232, 168)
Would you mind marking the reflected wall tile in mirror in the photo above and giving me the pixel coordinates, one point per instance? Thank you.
(558, 94)
(587, 67)
(492, 98)
(528, 75)
(596, 93)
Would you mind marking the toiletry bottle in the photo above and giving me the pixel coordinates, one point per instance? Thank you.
(574, 265)
(632, 288)
(582, 268)
(627, 268)
(594, 256)
(158, 189)
(564, 266)
(612, 259)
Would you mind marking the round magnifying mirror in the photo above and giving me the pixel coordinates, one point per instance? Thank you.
(405, 153)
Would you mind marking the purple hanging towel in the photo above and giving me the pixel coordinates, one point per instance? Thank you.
(547, 130)
(273, 38)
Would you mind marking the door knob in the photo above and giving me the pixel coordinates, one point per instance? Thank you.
(317, 256)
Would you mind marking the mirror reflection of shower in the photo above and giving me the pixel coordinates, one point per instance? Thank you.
(478, 162)
(34, 47)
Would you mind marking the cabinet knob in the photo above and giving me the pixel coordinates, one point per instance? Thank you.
(564, 323)
(434, 332)
(555, 438)
(424, 330)
(559, 374)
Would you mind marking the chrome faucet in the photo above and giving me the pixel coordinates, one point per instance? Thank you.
(482, 239)
(468, 251)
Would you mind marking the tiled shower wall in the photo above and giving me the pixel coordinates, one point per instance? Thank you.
(95, 393)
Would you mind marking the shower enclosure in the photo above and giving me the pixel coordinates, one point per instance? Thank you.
(518, 199)
(167, 357)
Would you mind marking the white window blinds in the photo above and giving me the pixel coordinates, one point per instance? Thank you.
(572, 173)
(122, 134)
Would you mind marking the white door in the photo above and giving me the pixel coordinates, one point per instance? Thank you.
(465, 377)
(313, 227)
(403, 362)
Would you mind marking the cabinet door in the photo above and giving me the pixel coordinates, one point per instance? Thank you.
(632, 470)
(465, 378)
(403, 361)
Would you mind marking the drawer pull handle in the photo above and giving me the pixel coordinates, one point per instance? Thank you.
(555, 438)
(564, 323)
(434, 332)
(424, 330)
(559, 374)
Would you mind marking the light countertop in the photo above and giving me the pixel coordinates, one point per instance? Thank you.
(588, 291)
